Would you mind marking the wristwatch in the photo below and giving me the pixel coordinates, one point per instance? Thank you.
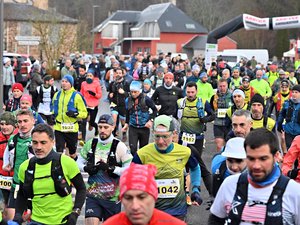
(77, 211)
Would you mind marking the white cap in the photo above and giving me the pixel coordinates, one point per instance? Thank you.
(235, 148)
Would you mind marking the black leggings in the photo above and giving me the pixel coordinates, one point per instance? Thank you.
(93, 113)
(138, 135)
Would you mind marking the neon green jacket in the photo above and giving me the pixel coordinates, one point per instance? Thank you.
(263, 88)
(63, 108)
(205, 91)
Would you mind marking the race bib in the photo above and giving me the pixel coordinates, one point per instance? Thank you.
(188, 138)
(67, 127)
(5, 182)
(168, 188)
(221, 113)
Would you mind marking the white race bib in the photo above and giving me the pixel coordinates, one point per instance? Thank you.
(221, 113)
(168, 188)
(67, 127)
(188, 138)
(5, 182)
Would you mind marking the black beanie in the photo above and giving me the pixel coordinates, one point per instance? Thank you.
(296, 88)
(258, 98)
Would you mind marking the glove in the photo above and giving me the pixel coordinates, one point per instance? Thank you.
(279, 128)
(293, 173)
(92, 93)
(105, 167)
(195, 197)
(72, 114)
(91, 170)
(72, 219)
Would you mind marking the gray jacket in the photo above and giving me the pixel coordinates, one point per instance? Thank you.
(8, 75)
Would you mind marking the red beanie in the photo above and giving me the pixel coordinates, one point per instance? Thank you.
(17, 86)
(26, 97)
(169, 75)
(139, 177)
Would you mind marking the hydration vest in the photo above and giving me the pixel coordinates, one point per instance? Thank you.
(218, 178)
(71, 103)
(138, 114)
(199, 106)
(111, 158)
(273, 206)
(62, 188)
(12, 145)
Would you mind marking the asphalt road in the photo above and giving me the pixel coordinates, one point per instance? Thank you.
(197, 215)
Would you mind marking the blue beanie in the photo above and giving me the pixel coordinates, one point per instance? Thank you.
(147, 81)
(92, 71)
(69, 78)
(135, 86)
(203, 74)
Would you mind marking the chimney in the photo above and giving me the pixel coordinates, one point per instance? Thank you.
(42, 4)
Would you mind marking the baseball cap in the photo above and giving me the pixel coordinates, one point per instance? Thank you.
(246, 78)
(165, 121)
(105, 118)
(234, 148)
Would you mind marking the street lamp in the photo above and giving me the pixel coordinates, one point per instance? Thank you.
(93, 25)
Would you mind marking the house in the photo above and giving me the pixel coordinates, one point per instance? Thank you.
(158, 28)
(21, 19)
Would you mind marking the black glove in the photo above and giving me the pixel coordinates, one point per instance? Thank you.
(91, 170)
(105, 167)
(72, 114)
(195, 197)
(102, 165)
(72, 219)
(92, 93)
(293, 173)
(279, 128)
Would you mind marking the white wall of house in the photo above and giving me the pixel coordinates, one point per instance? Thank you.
(146, 30)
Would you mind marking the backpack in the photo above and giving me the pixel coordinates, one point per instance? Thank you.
(111, 158)
(62, 188)
(71, 103)
(199, 106)
(13, 144)
(273, 206)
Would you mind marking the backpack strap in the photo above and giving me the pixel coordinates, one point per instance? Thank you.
(111, 158)
(15, 141)
(265, 121)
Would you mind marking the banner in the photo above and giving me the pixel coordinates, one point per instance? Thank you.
(211, 51)
(286, 22)
(254, 23)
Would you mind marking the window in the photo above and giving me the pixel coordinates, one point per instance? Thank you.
(169, 23)
(25, 29)
(139, 49)
(190, 26)
(147, 50)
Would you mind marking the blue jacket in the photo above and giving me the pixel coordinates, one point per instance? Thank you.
(291, 113)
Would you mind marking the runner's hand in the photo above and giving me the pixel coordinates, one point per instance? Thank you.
(72, 114)
(72, 219)
(92, 93)
(195, 197)
(91, 170)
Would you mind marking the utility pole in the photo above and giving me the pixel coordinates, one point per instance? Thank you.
(93, 25)
(1, 55)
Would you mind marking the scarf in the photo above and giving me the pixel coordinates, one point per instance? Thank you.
(272, 177)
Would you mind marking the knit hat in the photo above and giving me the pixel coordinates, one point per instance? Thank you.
(285, 82)
(165, 121)
(92, 71)
(195, 67)
(148, 81)
(238, 92)
(139, 177)
(234, 148)
(296, 88)
(69, 78)
(8, 118)
(135, 85)
(47, 78)
(105, 118)
(246, 78)
(169, 75)
(5, 60)
(258, 98)
(281, 71)
(203, 74)
(26, 97)
(17, 86)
